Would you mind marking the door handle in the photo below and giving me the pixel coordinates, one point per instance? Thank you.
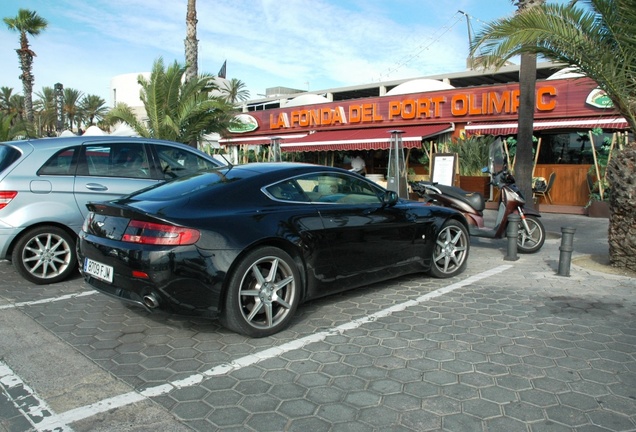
(96, 187)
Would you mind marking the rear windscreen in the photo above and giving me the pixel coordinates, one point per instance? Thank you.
(8, 155)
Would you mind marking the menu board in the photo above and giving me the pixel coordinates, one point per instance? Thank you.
(443, 168)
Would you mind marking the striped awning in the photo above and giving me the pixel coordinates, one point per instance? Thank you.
(257, 140)
(363, 138)
(510, 128)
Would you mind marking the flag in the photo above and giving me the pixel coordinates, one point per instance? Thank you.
(222, 72)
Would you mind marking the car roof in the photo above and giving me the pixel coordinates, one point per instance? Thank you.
(77, 140)
(55, 143)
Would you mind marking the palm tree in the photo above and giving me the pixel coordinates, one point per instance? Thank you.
(191, 42)
(94, 108)
(72, 104)
(26, 23)
(5, 99)
(600, 41)
(12, 128)
(527, 100)
(45, 111)
(16, 105)
(235, 91)
(177, 110)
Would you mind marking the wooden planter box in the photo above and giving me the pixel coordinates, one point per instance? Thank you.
(475, 184)
(599, 209)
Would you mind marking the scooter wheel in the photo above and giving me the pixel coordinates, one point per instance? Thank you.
(450, 254)
(531, 240)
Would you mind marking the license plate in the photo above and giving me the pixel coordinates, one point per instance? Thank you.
(98, 270)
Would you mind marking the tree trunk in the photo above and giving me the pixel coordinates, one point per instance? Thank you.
(191, 42)
(524, 159)
(621, 173)
(191, 49)
(26, 64)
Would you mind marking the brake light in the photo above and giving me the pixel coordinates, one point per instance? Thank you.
(6, 197)
(159, 234)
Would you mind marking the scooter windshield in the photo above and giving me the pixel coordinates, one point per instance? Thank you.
(497, 157)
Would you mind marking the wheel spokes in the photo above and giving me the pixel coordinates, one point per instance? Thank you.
(46, 256)
(450, 249)
(266, 299)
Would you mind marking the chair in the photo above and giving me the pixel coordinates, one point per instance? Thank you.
(545, 193)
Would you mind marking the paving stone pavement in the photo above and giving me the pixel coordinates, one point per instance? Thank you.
(519, 349)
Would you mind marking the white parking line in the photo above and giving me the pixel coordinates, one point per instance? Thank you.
(48, 300)
(34, 409)
(61, 420)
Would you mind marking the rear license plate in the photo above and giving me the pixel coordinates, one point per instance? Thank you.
(98, 270)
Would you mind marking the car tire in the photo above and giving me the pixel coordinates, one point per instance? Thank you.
(532, 241)
(263, 293)
(45, 255)
(450, 254)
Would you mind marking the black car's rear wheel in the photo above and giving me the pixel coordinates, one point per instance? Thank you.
(263, 293)
(450, 254)
(45, 255)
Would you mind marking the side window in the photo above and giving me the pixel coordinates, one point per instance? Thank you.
(339, 189)
(176, 162)
(60, 163)
(116, 160)
(288, 190)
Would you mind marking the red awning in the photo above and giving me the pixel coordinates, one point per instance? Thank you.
(258, 140)
(510, 128)
(362, 139)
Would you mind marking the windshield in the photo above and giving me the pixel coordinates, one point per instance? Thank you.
(497, 157)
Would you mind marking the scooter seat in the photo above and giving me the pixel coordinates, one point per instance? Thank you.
(474, 199)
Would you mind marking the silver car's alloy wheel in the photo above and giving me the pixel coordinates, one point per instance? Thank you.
(263, 293)
(45, 255)
(451, 250)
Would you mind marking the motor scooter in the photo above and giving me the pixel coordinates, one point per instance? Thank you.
(472, 204)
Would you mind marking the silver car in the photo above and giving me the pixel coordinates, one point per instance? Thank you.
(46, 183)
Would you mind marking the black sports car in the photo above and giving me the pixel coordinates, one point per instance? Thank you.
(249, 243)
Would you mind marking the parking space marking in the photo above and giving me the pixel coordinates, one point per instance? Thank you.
(48, 300)
(61, 420)
(26, 401)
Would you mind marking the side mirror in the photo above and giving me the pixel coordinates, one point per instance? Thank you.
(390, 198)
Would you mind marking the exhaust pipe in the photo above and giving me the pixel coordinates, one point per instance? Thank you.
(150, 301)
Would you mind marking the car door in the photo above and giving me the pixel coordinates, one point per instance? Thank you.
(109, 170)
(365, 234)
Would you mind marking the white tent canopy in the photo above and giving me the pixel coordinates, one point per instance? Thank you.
(124, 129)
(93, 131)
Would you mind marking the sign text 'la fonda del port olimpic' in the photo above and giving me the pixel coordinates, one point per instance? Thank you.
(554, 99)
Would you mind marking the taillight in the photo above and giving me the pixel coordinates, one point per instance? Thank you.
(88, 221)
(6, 197)
(159, 234)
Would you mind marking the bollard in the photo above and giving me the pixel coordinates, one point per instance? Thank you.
(565, 257)
(512, 232)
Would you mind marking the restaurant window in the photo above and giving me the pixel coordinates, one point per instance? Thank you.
(572, 147)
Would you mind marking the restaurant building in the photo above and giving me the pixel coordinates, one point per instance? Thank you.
(328, 126)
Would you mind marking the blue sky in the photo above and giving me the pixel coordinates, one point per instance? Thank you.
(304, 44)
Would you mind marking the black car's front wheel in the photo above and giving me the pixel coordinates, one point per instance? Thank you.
(263, 293)
(45, 255)
(450, 254)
